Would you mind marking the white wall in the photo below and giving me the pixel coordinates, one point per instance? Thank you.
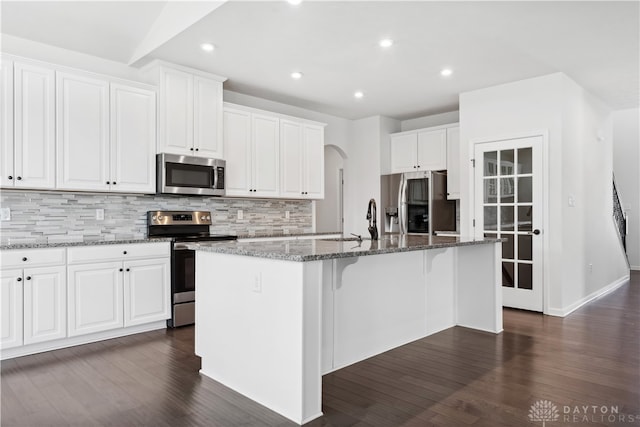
(626, 158)
(55, 55)
(578, 164)
(428, 121)
(328, 211)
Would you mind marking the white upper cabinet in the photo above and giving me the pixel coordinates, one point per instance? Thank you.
(133, 139)
(313, 162)
(291, 154)
(302, 159)
(404, 152)
(237, 149)
(421, 150)
(190, 106)
(453, 163)
(82, 132)
(432, 150)
(106, 135)
(251, 146)
(28, 126)
(265, 159)
(7, 174)
(271, 155)
(207, 119)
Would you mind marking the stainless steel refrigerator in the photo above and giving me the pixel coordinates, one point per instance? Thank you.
(420, 205)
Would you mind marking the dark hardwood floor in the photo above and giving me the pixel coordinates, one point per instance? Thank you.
(454, 378)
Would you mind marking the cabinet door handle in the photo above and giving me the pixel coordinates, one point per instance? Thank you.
(10, 177)
(24, 258)
(19, 279)
(28, 277)
(19, 178)
(125, 252)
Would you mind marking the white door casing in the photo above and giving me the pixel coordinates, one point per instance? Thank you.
(509, 204)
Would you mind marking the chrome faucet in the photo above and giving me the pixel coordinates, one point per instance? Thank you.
(371, 216)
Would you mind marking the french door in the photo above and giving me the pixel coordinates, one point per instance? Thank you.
(508, 205)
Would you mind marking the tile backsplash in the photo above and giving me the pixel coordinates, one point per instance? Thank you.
(57, 217)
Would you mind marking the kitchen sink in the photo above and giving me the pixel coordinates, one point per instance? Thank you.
(342, 239)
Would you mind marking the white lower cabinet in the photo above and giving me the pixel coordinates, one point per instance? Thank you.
(146, 291)
(45, 304)
(131, 289)
(95, 297)
(53, 298)
(12, 308)
(34, 290)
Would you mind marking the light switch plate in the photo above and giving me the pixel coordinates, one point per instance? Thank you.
(5, 214)
(100, 214)
(240, 214)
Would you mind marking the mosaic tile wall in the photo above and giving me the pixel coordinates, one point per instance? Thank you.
(58, 217)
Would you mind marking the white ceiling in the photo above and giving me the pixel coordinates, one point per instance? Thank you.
(335, 45)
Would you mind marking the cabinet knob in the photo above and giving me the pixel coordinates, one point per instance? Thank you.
(108, 183)
(19, 279)
(114, 183)
(10, 177)
(19, 178)
(414, 167)
(197, 149)
(24, 258)
(121, 270)
(191, 149)
(125, 252)
(128, 269)
(28, 277)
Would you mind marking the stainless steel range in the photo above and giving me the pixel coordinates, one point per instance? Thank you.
(182, 227)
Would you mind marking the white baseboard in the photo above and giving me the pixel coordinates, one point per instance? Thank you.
(635, 267)
(26, 350)
(562, 312)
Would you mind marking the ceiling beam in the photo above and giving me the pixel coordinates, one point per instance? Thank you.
(175, 17)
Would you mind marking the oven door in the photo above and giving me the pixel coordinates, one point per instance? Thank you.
(183, 272)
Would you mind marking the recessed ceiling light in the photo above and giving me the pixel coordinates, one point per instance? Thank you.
(386, 43)
(296, 75)
(358, 94)
(294, 2)
(446, 72)
(207, 47)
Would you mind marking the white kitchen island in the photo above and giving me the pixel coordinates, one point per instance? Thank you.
(273, 317)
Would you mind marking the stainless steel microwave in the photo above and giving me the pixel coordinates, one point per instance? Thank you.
(190, 175)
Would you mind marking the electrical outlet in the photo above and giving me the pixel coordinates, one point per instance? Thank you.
(5, 214)
(100, 214)
(257, 283)
(287, 215)
(590, 268)
(240, 214)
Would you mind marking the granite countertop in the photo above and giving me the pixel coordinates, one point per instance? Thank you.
(88, 242)
(320, 249)
(280, 234)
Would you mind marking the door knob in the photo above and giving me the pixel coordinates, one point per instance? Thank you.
(536, 232)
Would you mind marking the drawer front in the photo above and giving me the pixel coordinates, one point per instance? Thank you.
(99, 253)
(23, 258)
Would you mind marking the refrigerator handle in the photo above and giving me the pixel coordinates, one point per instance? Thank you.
(402, 205)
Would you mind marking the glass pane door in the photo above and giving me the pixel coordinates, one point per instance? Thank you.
(509, 200)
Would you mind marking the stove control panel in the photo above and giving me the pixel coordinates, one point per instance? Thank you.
(179, 218)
